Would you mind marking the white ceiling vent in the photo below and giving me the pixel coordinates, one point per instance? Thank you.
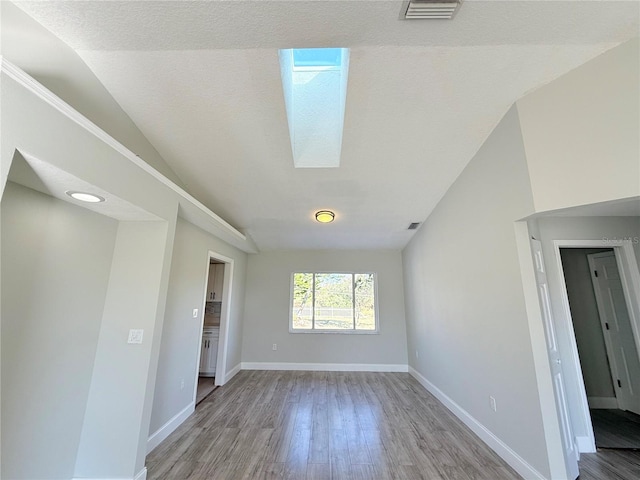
(431, 9)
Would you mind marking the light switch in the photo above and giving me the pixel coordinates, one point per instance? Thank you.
(195, 313)
(135, 336)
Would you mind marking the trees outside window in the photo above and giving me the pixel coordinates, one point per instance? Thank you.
(340, 302)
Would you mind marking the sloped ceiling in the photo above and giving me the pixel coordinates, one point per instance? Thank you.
(202, 82)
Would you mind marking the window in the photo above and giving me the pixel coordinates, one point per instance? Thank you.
(333, 302)
(317, 58)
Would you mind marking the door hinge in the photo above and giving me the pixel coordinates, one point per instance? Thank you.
(606, 324)
(619, 384)
(595, 272)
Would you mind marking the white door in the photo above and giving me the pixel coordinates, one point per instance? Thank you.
(569, 446)
(616, 326)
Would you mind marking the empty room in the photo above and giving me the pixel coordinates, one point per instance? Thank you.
(313, 239)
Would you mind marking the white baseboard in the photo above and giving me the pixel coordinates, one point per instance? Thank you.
(329, 367)
(603, 402)
(497, 445)
(163, 432)
(585, 445)
(232, 373)
(142, 475)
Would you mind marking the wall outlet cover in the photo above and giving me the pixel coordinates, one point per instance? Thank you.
(135, 335)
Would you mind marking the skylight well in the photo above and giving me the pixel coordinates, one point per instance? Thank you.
(314, 81)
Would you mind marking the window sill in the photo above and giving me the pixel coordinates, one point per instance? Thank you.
(339, 332)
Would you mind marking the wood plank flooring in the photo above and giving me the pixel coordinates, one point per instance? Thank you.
(206, 385)
(610, 464)
(342, 426)
(616, 429)
(324, 425)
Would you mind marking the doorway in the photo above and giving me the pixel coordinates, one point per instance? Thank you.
(607, 350)
(211, 367)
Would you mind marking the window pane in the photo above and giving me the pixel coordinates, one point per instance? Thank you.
(365, 304)
(334, 301)
(302, 300)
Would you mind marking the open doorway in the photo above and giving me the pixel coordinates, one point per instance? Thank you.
(212, 350)
(210, 330)
(604, 334)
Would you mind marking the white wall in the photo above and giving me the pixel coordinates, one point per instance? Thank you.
(268, 302)
(581, 132)
(116, 407)
(58, 67)
(577, 228)
(586, 322)
(181, 332)
(56, 261)
(39, 125)
(466, 320)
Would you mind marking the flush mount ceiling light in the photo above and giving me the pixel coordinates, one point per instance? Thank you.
(85, 197)
(325, 216)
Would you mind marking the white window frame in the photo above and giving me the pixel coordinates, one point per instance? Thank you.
(353, 331)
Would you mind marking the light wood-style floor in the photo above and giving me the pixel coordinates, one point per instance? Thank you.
(206, 385)
(342, 426)
(324, 425)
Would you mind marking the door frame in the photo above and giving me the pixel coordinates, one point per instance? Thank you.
(225, 316)
(630, 278)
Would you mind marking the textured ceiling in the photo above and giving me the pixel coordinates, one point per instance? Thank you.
(202, 82)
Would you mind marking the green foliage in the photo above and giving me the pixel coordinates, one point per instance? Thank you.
(340, 299)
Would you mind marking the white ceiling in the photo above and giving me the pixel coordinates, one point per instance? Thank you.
(202, 82)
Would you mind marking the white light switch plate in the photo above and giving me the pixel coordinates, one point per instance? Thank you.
(195, 313)
(135, 336)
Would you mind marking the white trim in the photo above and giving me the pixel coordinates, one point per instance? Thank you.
(142, 475)
(40, 91)
(225, 315)
(164, 431)
(610, 403)
(233, 372)
(326, 367)
(584, 445)
(497, 445)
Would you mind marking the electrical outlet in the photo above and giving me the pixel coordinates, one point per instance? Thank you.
(275, 346)
(135, 336)
(195, 313)
(492, 402)
(181, 383)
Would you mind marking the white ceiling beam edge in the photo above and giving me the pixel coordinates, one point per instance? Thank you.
(191, 209)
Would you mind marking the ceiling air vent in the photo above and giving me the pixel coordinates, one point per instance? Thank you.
(413, 226)
(431, 9)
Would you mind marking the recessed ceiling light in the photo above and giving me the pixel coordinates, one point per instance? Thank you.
(325, 216)
(85, 197)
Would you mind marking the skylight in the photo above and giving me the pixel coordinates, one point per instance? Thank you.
(317, 57)
(314, 81)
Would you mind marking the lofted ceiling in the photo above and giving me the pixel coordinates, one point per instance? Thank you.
(201, 79)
